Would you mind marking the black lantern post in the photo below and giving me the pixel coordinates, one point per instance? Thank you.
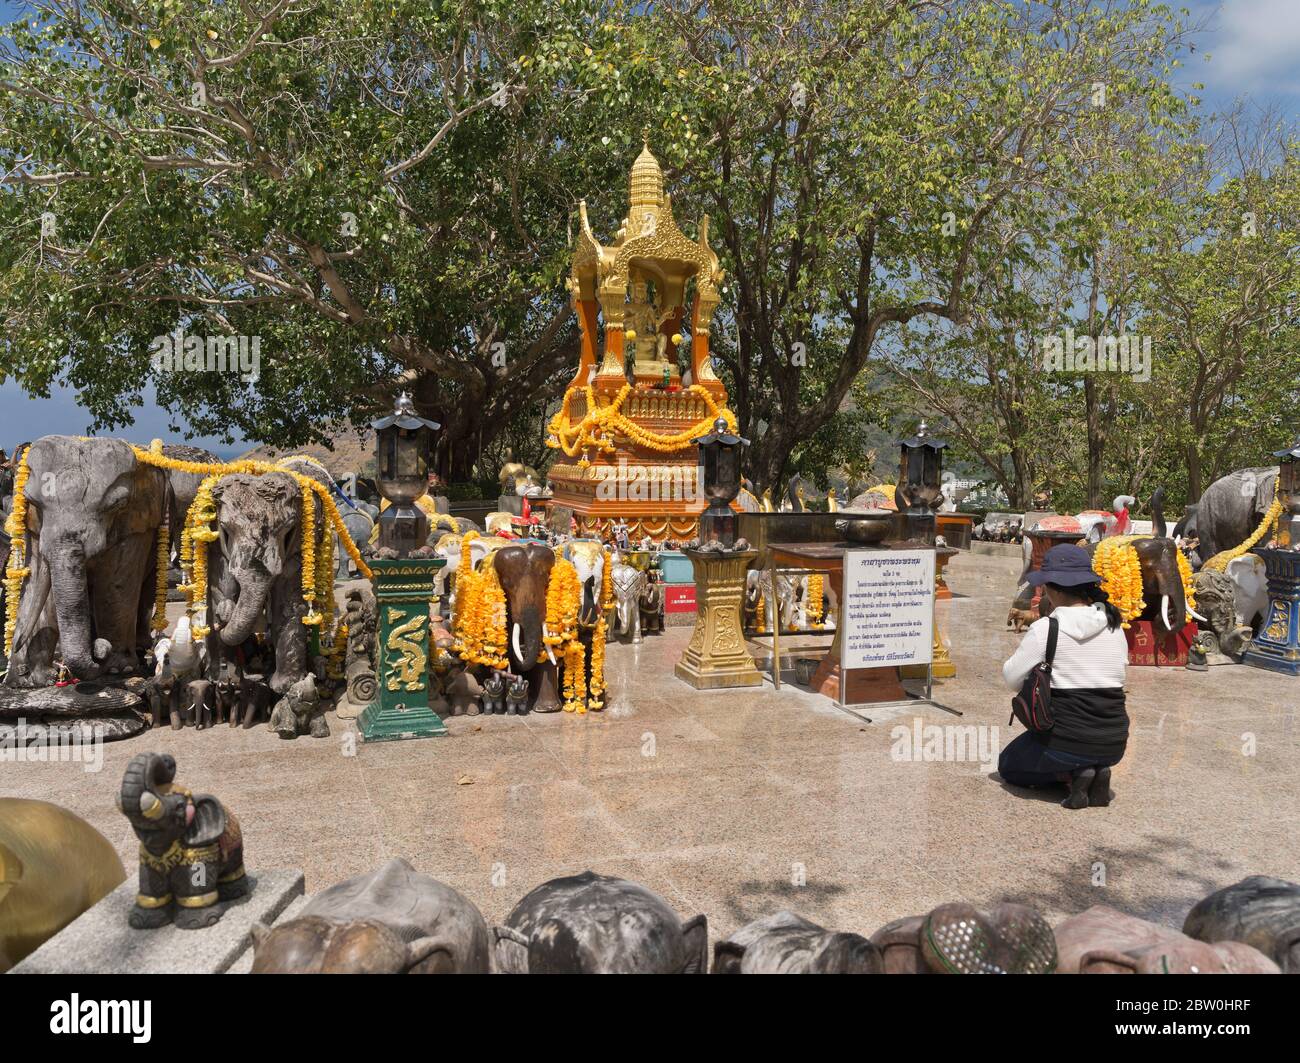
(403, 573)
(720, 475)
(917, 495)
(403, 443)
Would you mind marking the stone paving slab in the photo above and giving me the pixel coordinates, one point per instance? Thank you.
(101, 942)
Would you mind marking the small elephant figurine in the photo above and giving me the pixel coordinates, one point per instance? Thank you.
(494, 693)
(463, 692)
(191, 848)
(252, 698)
(517, 696)
(651, 605)
(300, 711)
(202, 703)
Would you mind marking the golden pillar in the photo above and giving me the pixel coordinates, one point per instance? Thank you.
(716, 656)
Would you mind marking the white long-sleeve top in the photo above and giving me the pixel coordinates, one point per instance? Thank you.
(1089, 655)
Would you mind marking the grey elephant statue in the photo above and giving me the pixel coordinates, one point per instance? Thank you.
(300, 711)
(494, 693)
(787, 943)
(93, 514)
(391, 921)
(255, 568)
(629, 585)
(1258, 911)
(1228, 511)
(191, 848)
(1216, 601)
(594, 924)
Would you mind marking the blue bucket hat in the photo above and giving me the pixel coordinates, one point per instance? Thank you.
(1066, 565)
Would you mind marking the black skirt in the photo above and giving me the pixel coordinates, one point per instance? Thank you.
(1091, 722)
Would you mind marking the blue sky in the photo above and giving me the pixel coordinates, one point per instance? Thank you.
(1254, 50)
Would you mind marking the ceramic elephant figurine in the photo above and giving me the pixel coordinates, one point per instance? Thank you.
(191, 848)
(251, 698)
(651, 605)
(517, 696)
(391, 921)
(202, 703)
(494, 693)
(594, 924)
(787, 943)
(93, 514)
(300, 711)
(255, 567)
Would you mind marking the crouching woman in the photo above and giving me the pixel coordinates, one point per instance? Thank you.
(1089, 732)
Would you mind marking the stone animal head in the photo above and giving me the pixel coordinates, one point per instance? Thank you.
(524, 571)
(260, 524)
(1162, 583)
(593, 924)
(161, 812)
(390, 921)
(787, 943)
(84, 497)
(1215, 601)
(303, 696)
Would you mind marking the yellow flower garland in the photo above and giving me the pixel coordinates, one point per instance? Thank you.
(563, 593)
(17, 568)
(1116, 562)
(596, 688)
(1219, 562)
(816, 599)
(601, 423)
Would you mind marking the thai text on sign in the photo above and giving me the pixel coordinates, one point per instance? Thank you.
(888, 608)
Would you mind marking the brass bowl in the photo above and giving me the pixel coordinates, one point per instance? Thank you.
(637, 559)
(866, 525)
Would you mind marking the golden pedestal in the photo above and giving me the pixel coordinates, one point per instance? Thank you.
(941, 666)
(716, 656)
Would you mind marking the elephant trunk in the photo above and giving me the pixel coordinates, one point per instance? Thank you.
(72, 606)
(249, 604)
(138, 798)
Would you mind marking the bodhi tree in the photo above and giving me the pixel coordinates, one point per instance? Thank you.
(855, 159)
(378, 193)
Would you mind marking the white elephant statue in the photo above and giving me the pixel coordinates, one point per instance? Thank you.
(759, 582)
(629, 585)
(448, 548)
(1250, 589)
(588, 557)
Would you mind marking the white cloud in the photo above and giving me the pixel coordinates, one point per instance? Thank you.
(1255, 45)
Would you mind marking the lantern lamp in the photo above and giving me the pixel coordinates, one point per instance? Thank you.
(719, 472)
(1288, 490)
(403, 443)
(918, 493)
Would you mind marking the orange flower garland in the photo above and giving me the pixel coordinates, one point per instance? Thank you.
(16, 571)
(601, 423)
(816, 599)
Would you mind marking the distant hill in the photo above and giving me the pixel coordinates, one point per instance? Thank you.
(353, 452)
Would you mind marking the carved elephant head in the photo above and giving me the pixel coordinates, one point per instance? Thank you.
(787, 943)
(524, 570)
(594, 924)
(1162, 583)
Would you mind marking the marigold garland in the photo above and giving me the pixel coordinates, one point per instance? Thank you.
(816, 607)
(1219, 562)
(596, 688)
(17, 569)
(1116, 562)
(600, 424)
(563, 597)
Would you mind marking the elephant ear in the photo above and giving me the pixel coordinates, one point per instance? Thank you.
(727, 957)
(429, 955)
(11, 870)
(509, 951)
(695, 936)
(209, 821)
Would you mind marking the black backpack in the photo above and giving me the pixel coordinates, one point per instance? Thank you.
(1033, 705)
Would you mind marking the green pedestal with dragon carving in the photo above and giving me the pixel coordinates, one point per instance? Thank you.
(403, 591)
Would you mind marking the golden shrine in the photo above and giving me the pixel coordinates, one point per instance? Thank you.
(625, 435)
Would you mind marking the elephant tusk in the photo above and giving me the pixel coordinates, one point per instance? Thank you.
(514, 644)
(1196, 616)
(1164, 612)
(551, 654)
